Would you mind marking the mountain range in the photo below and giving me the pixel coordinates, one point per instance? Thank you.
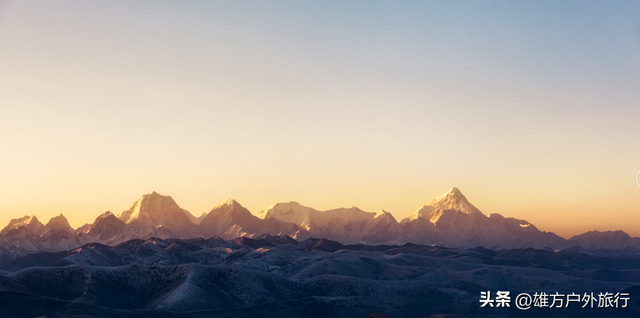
(449, 221)
(277, 276)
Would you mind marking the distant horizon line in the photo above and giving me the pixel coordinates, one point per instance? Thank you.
(229, 200)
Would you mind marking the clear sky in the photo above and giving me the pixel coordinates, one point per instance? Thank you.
(531, 109)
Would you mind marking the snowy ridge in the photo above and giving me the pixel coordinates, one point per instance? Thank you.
(449, 220)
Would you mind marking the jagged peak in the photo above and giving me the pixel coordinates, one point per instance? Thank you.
(152, 196)
(454, 200)
(105, 215)
(385, 216)
(30, 223)
(106, 219)
(18, 222)
(58, 217)
(452, 193)
(229, 205)
(263, 214)
(455, 191)
(59, 223)
(31, 220)
(148, 206)
(381, 213)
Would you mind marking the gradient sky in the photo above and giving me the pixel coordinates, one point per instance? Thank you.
(531, 109)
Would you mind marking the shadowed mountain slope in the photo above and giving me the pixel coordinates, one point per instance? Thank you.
(276, 276)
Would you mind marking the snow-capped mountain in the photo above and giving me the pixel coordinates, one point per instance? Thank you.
(292, 212)
(231, 220)
(311, 219)
(347, 225)
(451, 200)
(228, 220)
(449, 220)
(107, 226)
(526, 234)
(156, 210)
(454, 200)
(604, 240)
(59, 223)
(383, 229)
(28, 223)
